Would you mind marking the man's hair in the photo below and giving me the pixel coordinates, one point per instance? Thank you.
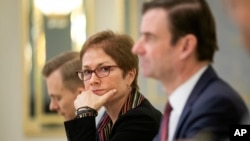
(189, 17)
(118, 47)
(67, 63)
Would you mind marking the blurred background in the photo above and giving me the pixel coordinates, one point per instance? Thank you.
(33, 31)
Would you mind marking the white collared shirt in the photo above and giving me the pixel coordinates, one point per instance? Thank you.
(179, 98)
(101, 111)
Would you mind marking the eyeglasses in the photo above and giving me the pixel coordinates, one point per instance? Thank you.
(100, 72)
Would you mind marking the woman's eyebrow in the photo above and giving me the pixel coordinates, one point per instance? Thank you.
(98, 65)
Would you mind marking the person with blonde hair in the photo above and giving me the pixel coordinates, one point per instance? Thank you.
(63, 84)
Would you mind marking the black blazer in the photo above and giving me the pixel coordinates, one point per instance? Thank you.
(210, 109)
(141, 123)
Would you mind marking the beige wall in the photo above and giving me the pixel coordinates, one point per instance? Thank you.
(11, 74)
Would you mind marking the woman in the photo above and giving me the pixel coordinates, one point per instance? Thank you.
(109, 73)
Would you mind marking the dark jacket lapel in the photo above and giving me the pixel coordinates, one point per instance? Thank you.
(207, 77)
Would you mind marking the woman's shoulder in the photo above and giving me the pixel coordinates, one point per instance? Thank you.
(144, 110)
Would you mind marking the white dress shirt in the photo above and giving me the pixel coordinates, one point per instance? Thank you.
(101, 111)
(178, 100)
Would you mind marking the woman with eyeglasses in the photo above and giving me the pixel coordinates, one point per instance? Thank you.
(109, 72)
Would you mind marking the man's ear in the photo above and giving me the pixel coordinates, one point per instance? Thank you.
(188, 46)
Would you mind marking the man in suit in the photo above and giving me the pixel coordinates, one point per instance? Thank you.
(240, 11)
(176, 47)
(63, 84)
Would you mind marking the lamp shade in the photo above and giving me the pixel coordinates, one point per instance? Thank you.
(57, 7)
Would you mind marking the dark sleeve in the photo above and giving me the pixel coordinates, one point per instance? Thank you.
(140, 124)
(82, 129)
(213, 115)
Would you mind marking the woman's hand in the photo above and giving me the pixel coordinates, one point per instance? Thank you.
(88, 98)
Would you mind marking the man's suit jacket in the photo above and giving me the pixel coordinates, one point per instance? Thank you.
(211, 108)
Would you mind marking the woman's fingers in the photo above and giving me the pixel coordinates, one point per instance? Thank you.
(88, 98)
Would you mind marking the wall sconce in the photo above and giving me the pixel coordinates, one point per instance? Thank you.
(57, 7)
(57, 12)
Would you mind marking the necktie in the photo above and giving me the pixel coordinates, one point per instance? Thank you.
(164, 130)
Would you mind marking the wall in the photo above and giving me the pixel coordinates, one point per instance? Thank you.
(231, 61)
(11, 74)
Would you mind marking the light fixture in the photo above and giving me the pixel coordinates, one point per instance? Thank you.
(57, 7)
